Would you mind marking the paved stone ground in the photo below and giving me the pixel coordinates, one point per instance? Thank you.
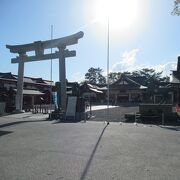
(116, 114)
(31, 148)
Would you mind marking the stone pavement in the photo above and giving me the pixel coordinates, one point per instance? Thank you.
(33, 148)
(116, 113)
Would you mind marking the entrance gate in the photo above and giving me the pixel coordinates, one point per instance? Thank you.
(38, 47)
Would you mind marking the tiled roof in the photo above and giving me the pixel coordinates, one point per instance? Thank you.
(176, 74)
(12, 77)
(126, 79)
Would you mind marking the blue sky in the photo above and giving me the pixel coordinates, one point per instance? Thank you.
(152, 41)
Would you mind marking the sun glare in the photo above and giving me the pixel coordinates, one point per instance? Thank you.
(121, 13)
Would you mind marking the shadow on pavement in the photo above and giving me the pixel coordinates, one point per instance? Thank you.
(2, 133)
(170, 128)
(66, 121)
(19, 122)
(92, 155)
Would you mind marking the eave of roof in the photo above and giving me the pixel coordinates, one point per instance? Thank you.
(30, 92)
(95, 90)
(175, 80)
(15, 80)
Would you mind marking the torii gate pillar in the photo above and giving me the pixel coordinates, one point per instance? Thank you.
(62, 78)
(20, 84)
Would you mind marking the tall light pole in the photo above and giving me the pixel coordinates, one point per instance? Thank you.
(108, 68)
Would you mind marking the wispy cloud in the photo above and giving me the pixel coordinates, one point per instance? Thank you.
(166, 68)
(128, 62)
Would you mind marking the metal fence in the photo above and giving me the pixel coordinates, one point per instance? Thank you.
(40, 108)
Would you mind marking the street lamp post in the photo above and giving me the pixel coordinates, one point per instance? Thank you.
(108, 69)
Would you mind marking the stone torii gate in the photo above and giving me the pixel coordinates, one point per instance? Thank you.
(38, 47)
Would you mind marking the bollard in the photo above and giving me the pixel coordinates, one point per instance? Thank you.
(163, 118)
(85, 113)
